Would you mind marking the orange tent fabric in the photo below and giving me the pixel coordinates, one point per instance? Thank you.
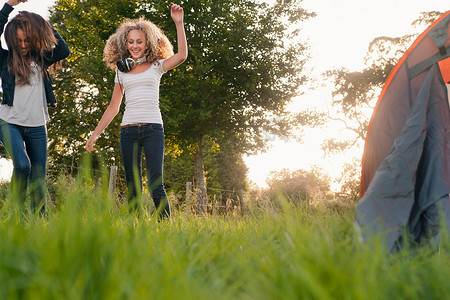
(444, 66)
(397, 96)
(406, 161)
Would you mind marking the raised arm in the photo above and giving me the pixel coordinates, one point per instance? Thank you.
(15, 2)
(4, 13)
(176, 13)
(108, 116)
(60, 51)
(6, 10)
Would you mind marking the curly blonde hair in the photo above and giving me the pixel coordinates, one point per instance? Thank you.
(158, 45)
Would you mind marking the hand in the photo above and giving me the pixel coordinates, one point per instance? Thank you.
(15, 2)
(90, 143)
(176, 12)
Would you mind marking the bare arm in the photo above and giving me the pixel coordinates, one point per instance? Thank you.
(7, 8)
(176, 12)
(108, 116)
(15, 2)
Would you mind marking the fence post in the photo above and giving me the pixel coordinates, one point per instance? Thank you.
(112, 180)
(188, 190)
(241, 201)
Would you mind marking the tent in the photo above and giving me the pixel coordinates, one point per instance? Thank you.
(406, 162)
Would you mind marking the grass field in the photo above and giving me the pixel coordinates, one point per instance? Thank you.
(88, 248)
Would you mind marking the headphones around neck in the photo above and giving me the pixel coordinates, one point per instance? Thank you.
(127, 64)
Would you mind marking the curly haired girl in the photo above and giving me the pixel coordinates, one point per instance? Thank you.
(142, 53)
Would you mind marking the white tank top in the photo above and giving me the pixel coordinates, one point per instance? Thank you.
(142, 95)
(29, 107)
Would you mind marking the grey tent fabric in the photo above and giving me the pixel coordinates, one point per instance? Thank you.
(406, 162)
(409, 189)
(400, 91)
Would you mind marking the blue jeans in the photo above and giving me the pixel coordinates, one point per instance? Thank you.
(27, 147)
(150, 138)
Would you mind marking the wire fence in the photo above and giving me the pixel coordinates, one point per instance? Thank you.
(192, 197)
(122, 175)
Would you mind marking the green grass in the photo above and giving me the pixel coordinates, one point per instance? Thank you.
(88, 248)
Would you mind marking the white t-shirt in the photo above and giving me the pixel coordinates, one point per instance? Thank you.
(29, 107)
(142, 95)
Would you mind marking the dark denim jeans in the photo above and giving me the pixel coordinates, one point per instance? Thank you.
(150, 138)
(27, 147)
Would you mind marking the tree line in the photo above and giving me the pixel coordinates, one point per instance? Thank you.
(245, 65)
(242, 71)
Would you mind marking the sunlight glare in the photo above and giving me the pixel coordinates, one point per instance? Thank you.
(6, 169)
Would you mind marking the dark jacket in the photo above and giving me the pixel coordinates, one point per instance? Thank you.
(61, 51)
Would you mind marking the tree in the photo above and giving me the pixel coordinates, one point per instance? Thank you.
(241, 72)
(350, 181)
(357, 91)
(299, 186)
(226, 174)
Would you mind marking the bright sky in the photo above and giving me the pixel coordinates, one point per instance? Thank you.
(339, 36)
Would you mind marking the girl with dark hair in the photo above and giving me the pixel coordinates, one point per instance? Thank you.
(143, 54)
(33, 46)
